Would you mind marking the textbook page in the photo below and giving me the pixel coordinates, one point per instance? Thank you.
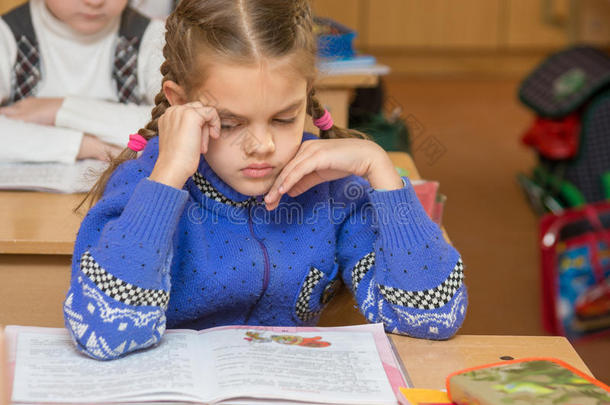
(326, 367)
(189, 365)
(51, 177)
(49, 369)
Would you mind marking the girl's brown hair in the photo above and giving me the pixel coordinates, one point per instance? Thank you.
(232, 31)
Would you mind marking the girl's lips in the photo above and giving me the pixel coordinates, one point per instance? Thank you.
(91, 16)
(254, 172)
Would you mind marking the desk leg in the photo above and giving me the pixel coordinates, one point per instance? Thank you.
(33, 289)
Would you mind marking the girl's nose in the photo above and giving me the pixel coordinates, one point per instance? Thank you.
(95, 3)
(259, 143)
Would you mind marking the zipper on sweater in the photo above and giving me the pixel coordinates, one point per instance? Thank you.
(265, 255)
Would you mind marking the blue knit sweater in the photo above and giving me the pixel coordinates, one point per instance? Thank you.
(149, 256)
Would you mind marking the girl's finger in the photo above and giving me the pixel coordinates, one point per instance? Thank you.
(300, 170)
(274, 193)
(205, 132)
(306, 182)
(210, 117)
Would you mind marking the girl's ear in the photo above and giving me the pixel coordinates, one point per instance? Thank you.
(174, 93)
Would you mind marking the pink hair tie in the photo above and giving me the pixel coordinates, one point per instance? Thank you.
(325, 122)
(136, 142)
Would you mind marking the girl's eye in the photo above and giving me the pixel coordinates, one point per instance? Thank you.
(228, 127)
(285, 121)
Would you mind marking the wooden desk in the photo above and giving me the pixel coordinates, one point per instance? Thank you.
(36, 241)
(429, 362)
(38, 223)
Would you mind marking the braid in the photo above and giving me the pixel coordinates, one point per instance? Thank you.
(316, 110)
(303, 16)
(151, 129)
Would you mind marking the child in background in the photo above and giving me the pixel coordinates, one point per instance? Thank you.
(76, 77)
(231, 214)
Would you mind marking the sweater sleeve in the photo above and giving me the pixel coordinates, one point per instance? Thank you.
(8, 54)
(120, 284)
(26, 142)
(396, 262)
(110, 121)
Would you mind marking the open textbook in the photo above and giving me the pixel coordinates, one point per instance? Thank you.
(52, 177)
(228, 365)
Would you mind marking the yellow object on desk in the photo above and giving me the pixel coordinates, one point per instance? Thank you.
(421, 396)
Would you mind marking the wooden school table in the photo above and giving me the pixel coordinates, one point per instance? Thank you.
(429, 362)
(37, 235)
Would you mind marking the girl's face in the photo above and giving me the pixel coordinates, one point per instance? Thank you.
(262, 113)
(86, 16)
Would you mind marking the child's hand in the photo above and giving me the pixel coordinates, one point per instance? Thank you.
(92, 147)
(322, 160)
(34, 109)
(184, 132)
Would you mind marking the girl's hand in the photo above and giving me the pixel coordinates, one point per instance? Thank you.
(184, 132)
(34, 110)
(92, 147)
(322, 160)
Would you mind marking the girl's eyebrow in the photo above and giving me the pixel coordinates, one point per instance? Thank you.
(227, 114)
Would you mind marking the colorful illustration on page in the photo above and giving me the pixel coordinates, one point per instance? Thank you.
(296, 340)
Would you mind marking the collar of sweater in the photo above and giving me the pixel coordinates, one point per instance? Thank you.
(205, 182)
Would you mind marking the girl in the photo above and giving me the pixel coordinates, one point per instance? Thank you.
(72, 73)
(233, 215)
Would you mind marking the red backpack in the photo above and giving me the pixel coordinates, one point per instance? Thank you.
(575, 255)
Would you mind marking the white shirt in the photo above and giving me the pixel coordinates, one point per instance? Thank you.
(78, 68)
(154, 8)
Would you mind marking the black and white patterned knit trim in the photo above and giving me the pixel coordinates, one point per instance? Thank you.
(427, 299)
(26, 71)
(211, 192)
(302, 305)
(119, 289)
(361, 268)
(125, 68)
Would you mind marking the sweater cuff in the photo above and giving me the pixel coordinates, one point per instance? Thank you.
(402, 221)
(66, 115)
(153, 212)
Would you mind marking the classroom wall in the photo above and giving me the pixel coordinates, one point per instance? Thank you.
(473, 37)
(480, 37)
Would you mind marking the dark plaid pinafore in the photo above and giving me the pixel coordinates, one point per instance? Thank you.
(26, 72)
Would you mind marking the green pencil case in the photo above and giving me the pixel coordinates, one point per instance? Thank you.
(539, 381)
